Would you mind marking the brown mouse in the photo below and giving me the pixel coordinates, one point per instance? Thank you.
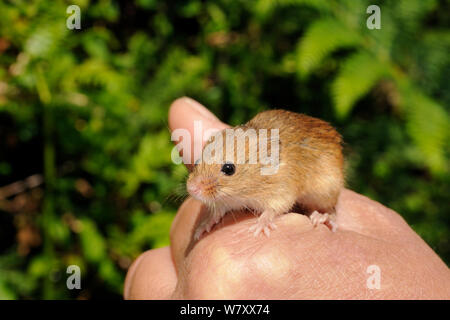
(303, 165)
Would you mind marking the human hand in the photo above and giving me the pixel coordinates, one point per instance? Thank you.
(297, 261)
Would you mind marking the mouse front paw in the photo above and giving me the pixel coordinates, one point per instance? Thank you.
(201, 230)
(205, 227)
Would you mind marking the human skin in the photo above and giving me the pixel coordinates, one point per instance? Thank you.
(297, 261)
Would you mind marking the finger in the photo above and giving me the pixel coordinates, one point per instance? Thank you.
(183, 228)
(151, 276)
(186, 113)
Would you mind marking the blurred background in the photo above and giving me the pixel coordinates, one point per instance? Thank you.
(86, 176)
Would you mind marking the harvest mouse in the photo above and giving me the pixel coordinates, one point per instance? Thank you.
(305, 168)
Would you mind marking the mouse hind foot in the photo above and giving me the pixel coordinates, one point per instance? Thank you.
(324, 218)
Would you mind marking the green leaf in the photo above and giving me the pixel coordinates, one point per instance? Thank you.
(428, 125)
(322, 38)
(40, 266)
(153, 228)
(6, 293)
(109, 272)
(92, 242)
(358, 74)
(153, 154)
(45, 40)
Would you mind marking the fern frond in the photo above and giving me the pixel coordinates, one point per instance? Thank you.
(45, 41)
(358, 74)
(96, 72)
(322, 38)
(429, 126)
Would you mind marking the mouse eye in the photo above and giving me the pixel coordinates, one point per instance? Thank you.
(228, 169)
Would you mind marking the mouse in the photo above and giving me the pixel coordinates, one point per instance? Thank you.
(276, 161)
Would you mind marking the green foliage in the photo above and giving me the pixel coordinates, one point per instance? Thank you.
(318, 42)
(85, 111)
(359, 73)
(376, 59)
(429, 126)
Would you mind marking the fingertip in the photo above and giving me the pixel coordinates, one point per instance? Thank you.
(189, 117)
(176, 110)
(184, 109)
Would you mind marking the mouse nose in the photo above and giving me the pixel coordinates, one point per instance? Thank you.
(201, 187)
(193, 189)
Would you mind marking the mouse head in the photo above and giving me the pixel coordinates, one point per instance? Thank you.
(231, 167)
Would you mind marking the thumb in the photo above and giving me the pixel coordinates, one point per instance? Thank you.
(189, 117)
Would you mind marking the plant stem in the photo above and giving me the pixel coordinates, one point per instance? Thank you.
(49, 171)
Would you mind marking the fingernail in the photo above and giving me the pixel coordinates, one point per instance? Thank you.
(199, 108)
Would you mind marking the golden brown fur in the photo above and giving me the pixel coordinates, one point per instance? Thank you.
(310, 172)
